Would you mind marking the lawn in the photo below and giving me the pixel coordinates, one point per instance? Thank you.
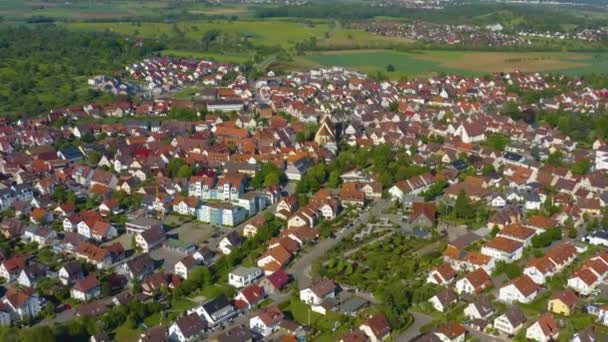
(116, 9)
(124, 333)
(330, 327)
(462, 62)
(230, 57)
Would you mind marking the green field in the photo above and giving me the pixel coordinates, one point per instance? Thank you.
(273, 33)
(284, 33)
(462, 62)
(16, 10)
(222, 57)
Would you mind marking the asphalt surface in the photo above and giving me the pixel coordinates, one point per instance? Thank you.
(301, 268)
(420, 320)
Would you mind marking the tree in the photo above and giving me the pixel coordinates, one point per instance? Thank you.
(434, 190)
(268, 175)
(134, 243)
(581, 167)
(183, 113)
(93, 157)
(393, 106)
(555, 159)
(512, 110)
(334, 179)
(174, 166)
(463, 208)
(390, 68)
(184, 171)
(572, 233)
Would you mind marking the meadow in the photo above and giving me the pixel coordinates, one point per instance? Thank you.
(262, 32)
(18, 10)
(461, 62)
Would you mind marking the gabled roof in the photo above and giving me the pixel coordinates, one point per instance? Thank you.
(479, 278)
(548, 325)
(567, 297)
(515, 316)
(323, 287)
(452, 330)
(524, 284)
(191, 325)
(216, 304)
(379, 326)
(504, 244)
(278, 279)
(271, 315)
(86, 284)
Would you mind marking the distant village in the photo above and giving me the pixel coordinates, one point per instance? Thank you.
(491, 35)
(119, 202)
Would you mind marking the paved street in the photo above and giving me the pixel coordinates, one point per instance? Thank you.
(420, 320)
(60, 318)
(485, 337)
(243, 319)
(301, 268)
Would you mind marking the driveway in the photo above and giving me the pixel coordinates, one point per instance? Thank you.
(420, 320)
(60, 318)
(485, 337)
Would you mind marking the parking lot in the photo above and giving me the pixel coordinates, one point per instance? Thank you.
(192, 231)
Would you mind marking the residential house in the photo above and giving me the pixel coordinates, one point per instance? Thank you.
(251, 228)
(86, 289)
(215, 311)
(510, 322)
(11, 268)
(317, 293)
(587, 335)
(553, 262)
(376, 328)
(423, 215)
(545, 329)
(521, 289)
(274, 259)
(518, 233)
(21, 303)
(562, 302)
(150, 239)
(442, 275)
(474, 283)
(40, 235)
(586, 278)
(187, 328)
(482, 308)
(249, 297)
(244, 276)
(274, 283)
(31, 274)
(451, 332)
(204, 256)
(267, 321)
(444, 299)
(70, 272)
(183, 267)
(229, 242)
(411, 186)
(139, 267)
(503, 249)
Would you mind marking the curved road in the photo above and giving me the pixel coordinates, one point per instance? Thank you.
(413, 331)
(301, 268)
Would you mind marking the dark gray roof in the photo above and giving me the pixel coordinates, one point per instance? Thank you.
(216, 304)
(515, 316)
